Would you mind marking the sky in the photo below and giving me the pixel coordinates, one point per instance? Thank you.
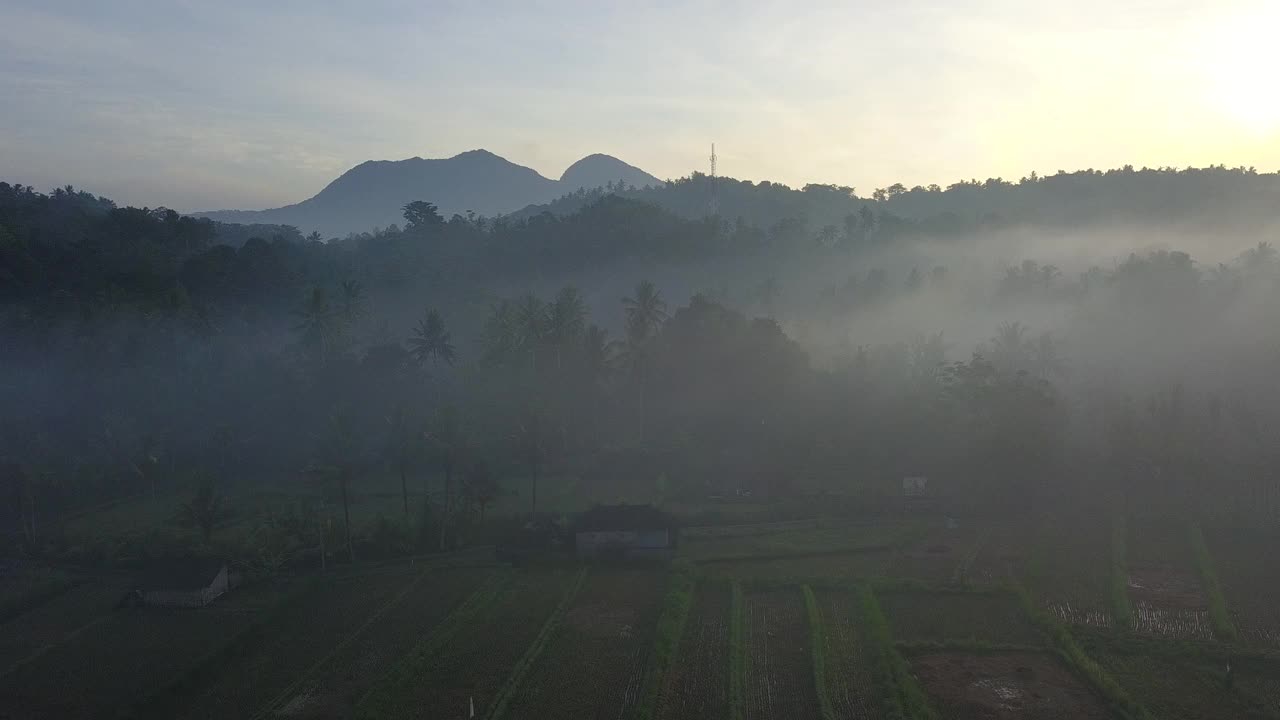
(200, 105)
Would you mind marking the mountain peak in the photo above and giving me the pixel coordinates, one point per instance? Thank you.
(598, 169)
(372, 193)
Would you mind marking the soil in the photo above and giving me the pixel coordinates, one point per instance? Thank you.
(993, 617)
(699, 682)
(473, 665)
(779, 680)
(1004, 686)
(594, 667)
(849, 681)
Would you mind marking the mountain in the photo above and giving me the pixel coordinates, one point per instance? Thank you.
(372, 193)
(598, 170)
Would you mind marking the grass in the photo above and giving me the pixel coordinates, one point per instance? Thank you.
(1219, 618)
(818, 643)
(383, 700)
(1080, 662)
(737, 656)
(1121, 608)
(666, 642)
(318, 666)
(828, 538)
(164, 700)
(901, 696)
(502, 700)
(31, 590)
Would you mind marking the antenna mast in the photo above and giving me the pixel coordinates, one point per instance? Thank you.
(713, 203)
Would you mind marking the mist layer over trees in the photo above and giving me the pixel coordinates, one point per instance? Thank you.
(817, 344)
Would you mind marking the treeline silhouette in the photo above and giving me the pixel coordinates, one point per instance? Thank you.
(140, 355)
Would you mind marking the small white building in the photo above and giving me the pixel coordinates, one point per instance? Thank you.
(182, 583)
(624, 531)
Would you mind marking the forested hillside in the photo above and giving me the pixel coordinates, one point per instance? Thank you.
(623, 350)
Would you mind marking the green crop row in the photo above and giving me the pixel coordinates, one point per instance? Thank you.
(383, 699)
(1121, 608)
(1219, 618)
(818, 643)
(666, 643)
(503, 698)
(901, 697)
(737, 657)
(1084, 666)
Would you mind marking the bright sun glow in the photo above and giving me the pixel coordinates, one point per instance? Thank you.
(1240, 68)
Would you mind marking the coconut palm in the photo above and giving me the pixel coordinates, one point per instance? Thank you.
(566, 318)
(499, 337)
(205, 511)
(447, 444)
(530, 324)
(351, 303)
(317, 324)
(644, 313)
(431, 341)
(400, 450)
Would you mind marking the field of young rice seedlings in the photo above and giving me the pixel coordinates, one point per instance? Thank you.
(443, 680)
(1186, 687)
(306, 629)
(697, 686)
(850, 684)
(1067, 570)
(779, 672)
(850, 565)
(1164, 587)
(594, 665)
(116, 661)
(56, 620)
(1005, 686)
(983, 618)
(1250, 580)
(331, 687)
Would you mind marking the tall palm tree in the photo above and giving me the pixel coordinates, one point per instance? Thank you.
(446, 440)
(528, 441)
(337, 461)
(351, 303)
(565, 321)
(317, 323)
(644, 313)
(530, 325)
(500, 336)
(400, 449)
(431, 341)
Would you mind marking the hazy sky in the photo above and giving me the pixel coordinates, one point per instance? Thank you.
(234, 103)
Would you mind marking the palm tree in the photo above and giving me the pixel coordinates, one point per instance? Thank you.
(337, 458)
(530, 325)
(500, 337)
(430, 340)
(644, 313)
(566, 319)
(446, 440)
(351, 304)
(317, 323)
(205, 510)
(479, 485)
(528, 441)
(598, 354)
(400, 449)
(1008, 349)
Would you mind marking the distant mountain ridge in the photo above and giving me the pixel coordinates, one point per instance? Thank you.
(372, 193)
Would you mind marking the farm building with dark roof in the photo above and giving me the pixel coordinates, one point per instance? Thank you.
(626, 531)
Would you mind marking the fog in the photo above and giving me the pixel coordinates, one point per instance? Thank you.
(599, 350)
